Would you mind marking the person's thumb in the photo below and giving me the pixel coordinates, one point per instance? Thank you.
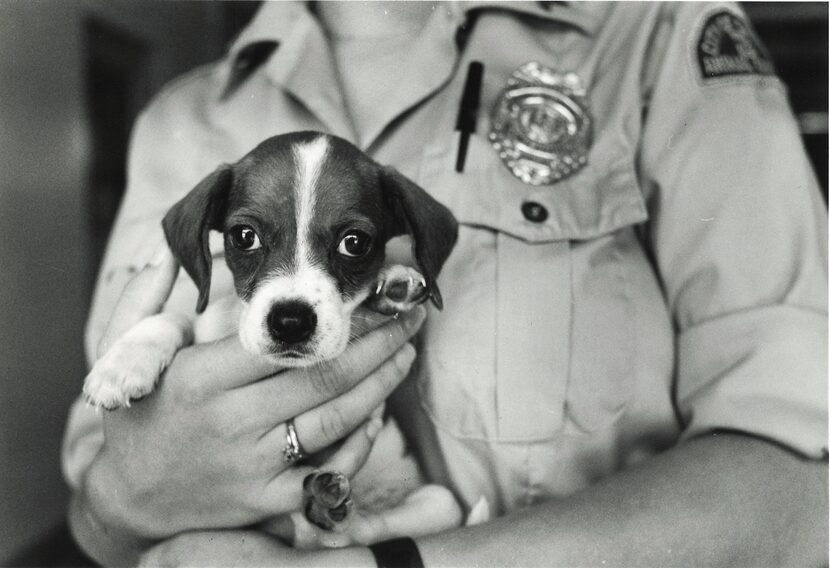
(143, 296)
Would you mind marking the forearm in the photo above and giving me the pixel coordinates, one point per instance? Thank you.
(720, 500)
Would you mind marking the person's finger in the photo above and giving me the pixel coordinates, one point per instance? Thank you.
(288, 394)
(284, 493)
(365, 320)
(219, 366)
(224, 365)
(352, 454)
(330, 422)
(143, 296)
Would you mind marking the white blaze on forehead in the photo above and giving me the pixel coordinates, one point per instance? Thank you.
(307, 282)
(309, 158)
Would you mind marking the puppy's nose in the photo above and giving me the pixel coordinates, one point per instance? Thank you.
(291, 322)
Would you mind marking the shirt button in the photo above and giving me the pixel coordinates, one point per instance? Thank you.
(534, 212)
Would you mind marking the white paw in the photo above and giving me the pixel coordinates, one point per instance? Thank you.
(127, 371)
(131, 367)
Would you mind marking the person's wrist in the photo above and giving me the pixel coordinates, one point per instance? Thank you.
(116, 502)
(102, 541)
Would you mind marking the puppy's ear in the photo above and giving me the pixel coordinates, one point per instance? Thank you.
(188, 224)
(433, 228)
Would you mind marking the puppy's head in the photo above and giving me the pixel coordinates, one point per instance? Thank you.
(306, 218)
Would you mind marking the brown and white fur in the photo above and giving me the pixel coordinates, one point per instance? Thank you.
(306, 218)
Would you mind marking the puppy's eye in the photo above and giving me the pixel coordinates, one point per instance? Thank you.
(244, 237)
(354, 244)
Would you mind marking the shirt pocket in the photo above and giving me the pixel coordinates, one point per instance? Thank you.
(536, 336)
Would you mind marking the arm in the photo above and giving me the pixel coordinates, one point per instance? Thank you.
(719, 500)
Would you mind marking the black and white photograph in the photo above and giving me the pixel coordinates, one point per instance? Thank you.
(413, 284)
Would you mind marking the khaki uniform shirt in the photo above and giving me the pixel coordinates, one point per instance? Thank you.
(676, 287)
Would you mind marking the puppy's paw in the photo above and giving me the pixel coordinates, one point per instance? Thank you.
(399, 289)
(327, 496)
(130, 368)
(125, 372)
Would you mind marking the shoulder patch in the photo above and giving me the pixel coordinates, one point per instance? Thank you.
(728, 47)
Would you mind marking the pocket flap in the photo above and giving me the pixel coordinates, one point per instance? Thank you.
(602, 197)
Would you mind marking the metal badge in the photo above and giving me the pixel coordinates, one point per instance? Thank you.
(540, 124)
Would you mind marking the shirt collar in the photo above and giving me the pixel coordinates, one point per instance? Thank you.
(586, 16)
(275, 20)
(294, 55)
(286, 28)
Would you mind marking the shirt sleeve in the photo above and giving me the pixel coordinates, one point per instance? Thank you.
(738, 234)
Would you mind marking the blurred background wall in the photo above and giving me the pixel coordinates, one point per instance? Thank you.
(73, 74)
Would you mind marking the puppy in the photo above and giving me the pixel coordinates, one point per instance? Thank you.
(306, 218)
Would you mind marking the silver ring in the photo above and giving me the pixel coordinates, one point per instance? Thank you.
(293, 451)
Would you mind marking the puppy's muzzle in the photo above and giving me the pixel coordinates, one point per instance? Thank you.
(291, 322)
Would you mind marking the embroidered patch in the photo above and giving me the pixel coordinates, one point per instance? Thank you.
(728, 47)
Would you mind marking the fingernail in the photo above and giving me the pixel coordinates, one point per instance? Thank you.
(373, 427)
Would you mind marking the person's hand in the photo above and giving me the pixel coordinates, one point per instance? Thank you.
(204, 450)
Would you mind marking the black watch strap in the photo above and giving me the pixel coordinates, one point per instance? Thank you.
(397, 553)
